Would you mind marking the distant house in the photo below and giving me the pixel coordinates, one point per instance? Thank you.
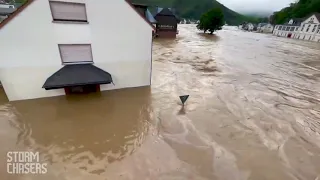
(247, 26)
(265, 28)
(52, 48)
(305, 29)
(167, 23)
(7, 5)
(6, 10)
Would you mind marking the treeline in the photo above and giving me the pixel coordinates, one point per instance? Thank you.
(193, 9)
(300, 9)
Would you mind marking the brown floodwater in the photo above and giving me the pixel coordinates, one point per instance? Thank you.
(253, 113)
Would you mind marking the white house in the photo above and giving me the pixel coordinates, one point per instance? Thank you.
(265, 28)
(250, 27)
(308, 29)
(57, 47)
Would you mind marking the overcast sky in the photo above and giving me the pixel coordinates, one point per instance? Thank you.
(245, 6)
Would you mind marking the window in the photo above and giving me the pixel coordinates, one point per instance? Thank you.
(65, 11)
(307, 29)
(292, 29)
(11, 7)
(297, 28)
(314, 28)
(75, 53)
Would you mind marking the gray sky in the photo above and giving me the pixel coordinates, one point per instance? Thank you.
(245, 6)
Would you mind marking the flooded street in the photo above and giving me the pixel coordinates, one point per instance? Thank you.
(253, 114)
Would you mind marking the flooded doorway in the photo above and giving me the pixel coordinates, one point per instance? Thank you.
(86, 89)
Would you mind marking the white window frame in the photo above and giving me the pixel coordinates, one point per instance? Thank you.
(69, 20)
(79, 62)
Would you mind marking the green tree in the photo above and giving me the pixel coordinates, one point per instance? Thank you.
(211, 21)
(299, 9)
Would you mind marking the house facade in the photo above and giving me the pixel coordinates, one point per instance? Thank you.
(68, 46)
(307, 29)
(265, 28)
(167, 23)
(247, 26)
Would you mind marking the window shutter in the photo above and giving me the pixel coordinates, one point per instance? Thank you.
(68, 11)
(75, 53)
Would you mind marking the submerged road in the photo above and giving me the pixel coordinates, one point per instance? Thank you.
(253, 114)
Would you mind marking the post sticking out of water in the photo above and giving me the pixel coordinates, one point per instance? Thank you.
(184, 99)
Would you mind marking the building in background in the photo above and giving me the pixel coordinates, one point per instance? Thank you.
(305, 29)
(167, 23)
(7, 9)
(265, 28)
(52, 48)
(6, 12)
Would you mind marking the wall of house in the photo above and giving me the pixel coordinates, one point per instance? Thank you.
(308, 31)
(29, 55)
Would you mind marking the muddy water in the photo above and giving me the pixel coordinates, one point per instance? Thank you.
(253, 113)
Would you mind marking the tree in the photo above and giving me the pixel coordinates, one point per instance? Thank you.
(211, 21)
(299, 9)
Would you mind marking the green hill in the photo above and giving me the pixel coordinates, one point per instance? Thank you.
(192, 9)
(300, 9)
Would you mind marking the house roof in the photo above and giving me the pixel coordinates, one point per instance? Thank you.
(7, 11)
(297, 21)
(317, 16)
(148, 14)
(165, 12)
(77, 75)
(150, 17)
(262, 24)
(21, 8)
(143, 17)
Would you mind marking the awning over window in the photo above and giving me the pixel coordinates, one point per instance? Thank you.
(77, 75)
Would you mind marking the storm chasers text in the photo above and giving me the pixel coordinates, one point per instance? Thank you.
(25, 163)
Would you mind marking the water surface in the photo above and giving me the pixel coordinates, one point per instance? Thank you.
(253, 113)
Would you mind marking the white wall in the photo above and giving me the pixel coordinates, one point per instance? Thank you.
(313, 19)
(121, 44)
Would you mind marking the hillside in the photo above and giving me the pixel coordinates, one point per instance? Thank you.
(300, 9)
(194, 8)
